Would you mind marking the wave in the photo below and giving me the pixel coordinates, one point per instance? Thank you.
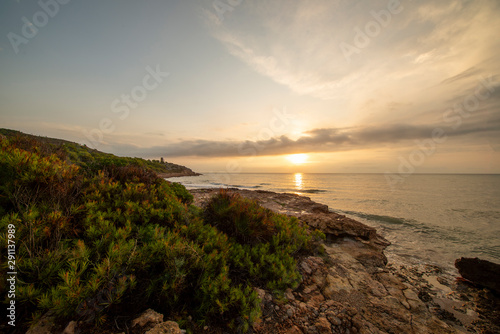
(311, 191)
(245, 187)
(392, 223)
(383, 219)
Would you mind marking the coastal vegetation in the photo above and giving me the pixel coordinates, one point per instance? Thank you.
(99, 239)
(88, 159)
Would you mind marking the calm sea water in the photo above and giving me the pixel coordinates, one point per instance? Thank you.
(428, 218)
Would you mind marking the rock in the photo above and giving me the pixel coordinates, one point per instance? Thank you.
(323, 326)
(315, 300)
(167, 327)
(376, 288)
(153, 321)
(289, 295)
(44, 326)
(306, 268)
(334, 320)
(318, 208)
(338, 226)
(293, 330)
(148, 317)
(336, 284)
(70, 329)
(480, 272)
(262, 294)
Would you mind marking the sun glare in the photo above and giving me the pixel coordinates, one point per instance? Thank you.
(297, 159)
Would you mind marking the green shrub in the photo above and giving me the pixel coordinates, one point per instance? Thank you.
(242, 219)
(96, 245)
(264, 243)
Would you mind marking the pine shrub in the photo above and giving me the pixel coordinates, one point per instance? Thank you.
(93, 245)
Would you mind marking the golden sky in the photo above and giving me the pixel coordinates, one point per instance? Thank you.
(261, 86)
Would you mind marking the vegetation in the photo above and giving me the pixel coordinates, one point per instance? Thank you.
(89, 160)
(99, 239)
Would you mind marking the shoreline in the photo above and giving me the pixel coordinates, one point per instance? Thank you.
(388, 297)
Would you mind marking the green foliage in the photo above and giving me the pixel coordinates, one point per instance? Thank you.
(89, 160)
(93, 245)
(264, 244)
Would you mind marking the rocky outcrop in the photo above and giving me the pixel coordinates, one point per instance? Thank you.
(480, 272)
(343, 297)
(350, 289)
(316, 215)
(359, 240)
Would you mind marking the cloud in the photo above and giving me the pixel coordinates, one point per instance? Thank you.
(297, 44)
(471, 72)
(322, 140)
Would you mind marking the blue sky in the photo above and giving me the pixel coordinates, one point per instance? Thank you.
(356, 86)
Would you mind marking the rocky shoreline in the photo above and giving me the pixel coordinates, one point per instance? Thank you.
(352, 289)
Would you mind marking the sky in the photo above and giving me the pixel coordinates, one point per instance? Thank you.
(320, 86)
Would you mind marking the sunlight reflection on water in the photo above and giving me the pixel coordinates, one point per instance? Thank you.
(298, 181)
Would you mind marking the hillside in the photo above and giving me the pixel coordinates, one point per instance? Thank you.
(86, 157)
(98, 239)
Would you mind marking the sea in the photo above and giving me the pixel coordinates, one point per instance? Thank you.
(429, 218)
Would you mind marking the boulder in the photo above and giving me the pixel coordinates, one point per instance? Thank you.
(480, 272)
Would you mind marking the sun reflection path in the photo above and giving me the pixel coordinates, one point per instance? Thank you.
(298, 181)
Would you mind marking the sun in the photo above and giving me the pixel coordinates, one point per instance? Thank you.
(297, 159)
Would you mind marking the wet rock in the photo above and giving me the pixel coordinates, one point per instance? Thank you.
(480, 272)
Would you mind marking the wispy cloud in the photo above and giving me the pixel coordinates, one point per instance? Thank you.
(297, 43)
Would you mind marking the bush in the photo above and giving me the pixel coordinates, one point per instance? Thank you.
(239, 218)
(264, 243)
(96, 245)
